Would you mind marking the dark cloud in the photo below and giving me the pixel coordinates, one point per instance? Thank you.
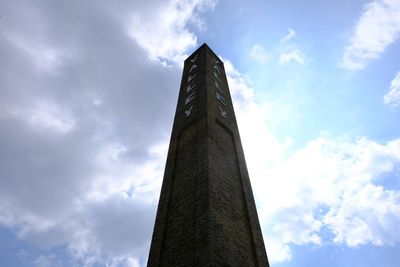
(121, 227)
(73, 81)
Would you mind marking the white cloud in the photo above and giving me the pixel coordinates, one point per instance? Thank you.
(140, 183)
(47, 261)
(163, 31)
(330, 183)
(377, 28)
(258, 53)
(93, 188)
(294, 55)
(392, 98)
(290, 53)
(253, 121)
(290, 35)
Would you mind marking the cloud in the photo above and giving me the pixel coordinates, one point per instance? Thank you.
(43, 115)
(253, 120)
(258, 53)
(163, 31)
(289, 51)
(376, 29)
(294, 55)
(45, 57)
(332, 184)
(47, 261)
(392, 98)
(336, 185)
(84, 134)
(290, 35)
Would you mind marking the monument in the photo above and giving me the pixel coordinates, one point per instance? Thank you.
(206, 213)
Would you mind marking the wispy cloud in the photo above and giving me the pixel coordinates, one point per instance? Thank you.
(258, 53)
(47, 261)
(294, 55)
(290, 53)
(392, 98)
(290, 35)
(377, 28)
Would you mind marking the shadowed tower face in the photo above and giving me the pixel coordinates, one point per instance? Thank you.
(206, 213)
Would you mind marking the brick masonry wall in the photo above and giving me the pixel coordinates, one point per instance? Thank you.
(206, 214)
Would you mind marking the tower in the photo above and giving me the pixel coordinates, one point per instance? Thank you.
(206, 213)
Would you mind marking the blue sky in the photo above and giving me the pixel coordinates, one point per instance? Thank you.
(87, 98)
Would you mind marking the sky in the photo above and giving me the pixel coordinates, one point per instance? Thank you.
(88, 91)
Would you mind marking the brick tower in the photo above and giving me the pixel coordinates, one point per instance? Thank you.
(206, 213)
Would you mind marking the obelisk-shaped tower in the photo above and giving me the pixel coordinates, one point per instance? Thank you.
(206, 213)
